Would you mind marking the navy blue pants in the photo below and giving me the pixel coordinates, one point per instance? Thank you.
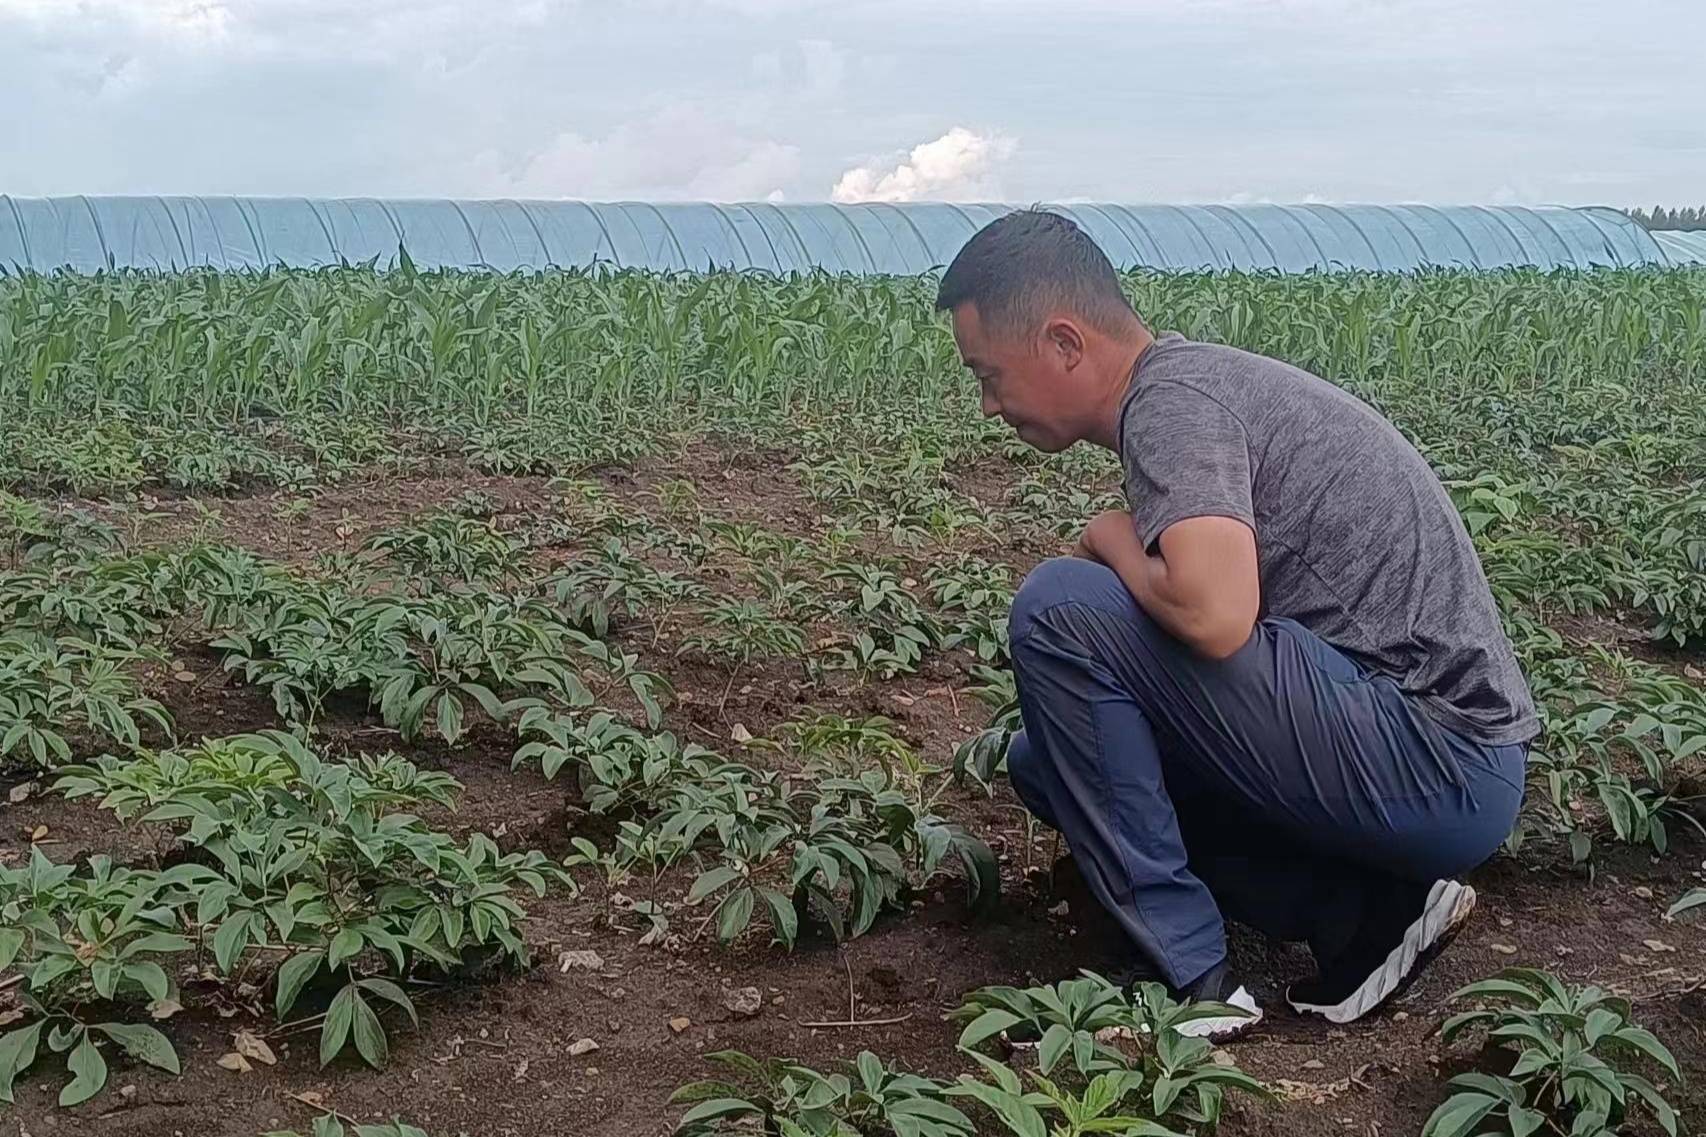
(1281, 786)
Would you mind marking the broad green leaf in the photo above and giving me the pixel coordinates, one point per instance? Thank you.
(710, 881)
(719, 1107)
(783, 917)
(369, 1033)
(1459, 1115)
(293, 974)
(17, 1052)
(335, 1030)
(89, 1070)
(230, 940)
(388, 990)
(144, 1043)
(986, 1026)
(735, 914)
(1647, 1042)
(345, 945)
(1053, 1044)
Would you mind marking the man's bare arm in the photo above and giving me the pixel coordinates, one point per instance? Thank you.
(1203, 587)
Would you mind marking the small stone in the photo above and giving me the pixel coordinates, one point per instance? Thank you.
(20, 791)
(1060, 910)
(127, 1092)
(777, 1001)
(1657, 946)
(740, 734)
(1315, 1064)
(184, 676)
(583, 1046)
(680, 1024)
(1504, 949)
(744, 1001)
(1643, 892)
(1504, 921)
(164, 1008)
(592, 1071)
(1400, 1016)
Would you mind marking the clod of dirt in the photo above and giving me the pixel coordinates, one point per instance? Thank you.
(583, 1046)
(680, 1024)
(744, 1001)
(580, 961)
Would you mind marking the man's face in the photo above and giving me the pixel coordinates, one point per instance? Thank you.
(1020, 377)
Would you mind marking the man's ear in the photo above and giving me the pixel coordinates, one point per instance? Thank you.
(1065, 337)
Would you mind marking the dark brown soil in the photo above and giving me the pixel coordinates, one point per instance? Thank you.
(492, 1058)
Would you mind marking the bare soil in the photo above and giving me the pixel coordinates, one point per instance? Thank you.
(492, 1058)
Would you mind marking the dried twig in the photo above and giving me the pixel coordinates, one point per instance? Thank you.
(861, 1022)
(320, 1106)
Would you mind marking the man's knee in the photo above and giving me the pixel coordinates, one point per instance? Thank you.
(1029, 779)
(1065, 580)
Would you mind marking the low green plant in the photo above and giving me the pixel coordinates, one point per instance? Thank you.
(1109, 1060)
(86, 943)
(798, 1101)
(742, 630)
(52, 684)
(1573, 1051)
(318, 866)
(450, 548)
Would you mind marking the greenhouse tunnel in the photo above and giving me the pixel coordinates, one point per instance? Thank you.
(87, 234)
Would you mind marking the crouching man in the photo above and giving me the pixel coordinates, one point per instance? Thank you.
(1277, 690)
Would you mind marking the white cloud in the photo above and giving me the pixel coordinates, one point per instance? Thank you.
(960, 165)
(679, 152)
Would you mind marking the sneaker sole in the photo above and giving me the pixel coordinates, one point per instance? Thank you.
(1447, 910)
(1227, 1027)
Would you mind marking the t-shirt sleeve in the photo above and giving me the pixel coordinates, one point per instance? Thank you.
(1185, 455)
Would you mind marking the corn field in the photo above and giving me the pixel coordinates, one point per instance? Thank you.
(346, 338)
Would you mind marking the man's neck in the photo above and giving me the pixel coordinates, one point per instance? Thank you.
(1122, 357)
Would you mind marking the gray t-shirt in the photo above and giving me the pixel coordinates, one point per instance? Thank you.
(1357, 539)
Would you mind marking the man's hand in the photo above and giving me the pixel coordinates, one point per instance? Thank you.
(1203, 587)
(1111, 530)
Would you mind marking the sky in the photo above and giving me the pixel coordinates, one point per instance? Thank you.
(1483, 101)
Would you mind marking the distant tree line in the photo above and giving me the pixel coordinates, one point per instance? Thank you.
(1658, 217)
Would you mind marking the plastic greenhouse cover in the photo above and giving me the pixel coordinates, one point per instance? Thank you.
(87, 234)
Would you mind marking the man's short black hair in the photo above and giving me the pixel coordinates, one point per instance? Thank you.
(1018, 267)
